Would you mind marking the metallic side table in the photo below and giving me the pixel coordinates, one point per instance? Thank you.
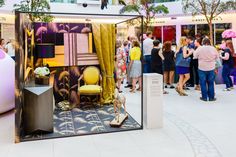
(38, 109)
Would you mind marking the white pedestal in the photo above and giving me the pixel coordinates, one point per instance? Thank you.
(153, 100)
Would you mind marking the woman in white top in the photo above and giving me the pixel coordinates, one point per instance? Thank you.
(10, 49)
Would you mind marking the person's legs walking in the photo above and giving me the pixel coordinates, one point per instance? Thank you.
(195, 66)
(230, 80)
(140, 83)
(148, 63)
(225, 74)
(171, 78)
(190, 81)
(180, 89)
(202, 80)
(165, 78)
(145, 68)
(134, 81)
(129, 80)
(210, 83)
(118, 84)
(186, 78)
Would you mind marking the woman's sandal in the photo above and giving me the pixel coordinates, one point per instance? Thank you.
(139, 89)
(177, 89)
(132, 91)
(182, 93)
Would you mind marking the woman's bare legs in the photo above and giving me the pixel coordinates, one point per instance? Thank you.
(134, 81)
(118, 84)
(140, 83)
(166, 73)
(182, 80)
(186, 78)
(180, 83)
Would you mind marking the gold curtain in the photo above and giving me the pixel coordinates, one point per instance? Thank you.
(104, 39)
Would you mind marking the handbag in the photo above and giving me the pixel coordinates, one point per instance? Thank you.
(181, 61)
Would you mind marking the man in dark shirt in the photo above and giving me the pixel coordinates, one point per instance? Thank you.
(191, 46)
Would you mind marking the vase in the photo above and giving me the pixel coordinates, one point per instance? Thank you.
(42, 80)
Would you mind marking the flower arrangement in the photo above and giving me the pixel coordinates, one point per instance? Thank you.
(42, 75)
(229, 33)
(41, 71)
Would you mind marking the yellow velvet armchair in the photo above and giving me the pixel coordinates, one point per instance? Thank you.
(92, 83)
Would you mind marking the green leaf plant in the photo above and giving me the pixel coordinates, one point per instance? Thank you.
(2, 3)
(210, 9)
(38, 9)
(147, 9)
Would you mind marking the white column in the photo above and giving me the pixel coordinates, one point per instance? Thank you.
(153, 100)
(178, 33)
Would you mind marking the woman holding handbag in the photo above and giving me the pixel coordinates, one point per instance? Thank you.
(182, 65)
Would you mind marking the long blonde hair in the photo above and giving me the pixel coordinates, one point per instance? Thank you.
(182, 42)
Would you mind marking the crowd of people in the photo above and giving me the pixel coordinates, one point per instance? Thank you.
(8, 47)
(194, 60)
(128, 64)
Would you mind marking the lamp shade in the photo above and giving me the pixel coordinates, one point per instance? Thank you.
(45, 50)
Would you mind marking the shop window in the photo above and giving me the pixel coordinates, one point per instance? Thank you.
(203, 30)
(219, 28)
(169, 33)
(157, 33)
(188, 30)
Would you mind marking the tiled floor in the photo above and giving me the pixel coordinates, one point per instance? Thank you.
(192, 128)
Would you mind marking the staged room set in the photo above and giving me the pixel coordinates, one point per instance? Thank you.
(65, 77)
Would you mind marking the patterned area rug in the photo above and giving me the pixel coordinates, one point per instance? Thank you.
(85, 121)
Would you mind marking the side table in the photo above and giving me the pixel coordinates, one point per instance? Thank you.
(38, 109)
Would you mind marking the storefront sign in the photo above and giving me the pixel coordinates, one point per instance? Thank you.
(8, 31)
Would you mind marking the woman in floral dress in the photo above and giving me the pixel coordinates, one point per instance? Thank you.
(120, 64)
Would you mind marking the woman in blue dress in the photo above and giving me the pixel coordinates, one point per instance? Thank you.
(182, 65)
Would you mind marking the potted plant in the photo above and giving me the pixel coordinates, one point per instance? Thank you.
(42, 75)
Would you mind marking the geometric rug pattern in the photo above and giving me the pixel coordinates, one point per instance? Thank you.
(84, 121)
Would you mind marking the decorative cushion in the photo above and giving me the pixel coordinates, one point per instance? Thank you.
(91, 75)
(90, 89)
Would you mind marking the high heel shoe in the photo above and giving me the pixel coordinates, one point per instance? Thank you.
(132, 91)
(182, 93)
(139, 89)
(177, 89)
